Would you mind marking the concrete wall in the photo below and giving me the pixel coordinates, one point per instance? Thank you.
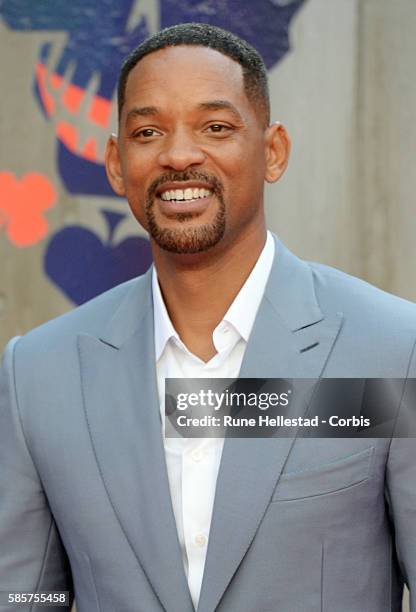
(347, 94)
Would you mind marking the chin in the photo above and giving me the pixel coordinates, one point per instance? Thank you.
(188, 240)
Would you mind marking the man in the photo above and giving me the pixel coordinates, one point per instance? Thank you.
(91, 492)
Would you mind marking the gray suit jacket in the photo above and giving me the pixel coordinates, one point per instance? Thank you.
(311, 524)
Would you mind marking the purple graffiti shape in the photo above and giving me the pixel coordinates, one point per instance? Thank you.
(82, 266)
(100, 33)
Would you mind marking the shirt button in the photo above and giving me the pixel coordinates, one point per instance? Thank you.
(201, 540)
(197, 455)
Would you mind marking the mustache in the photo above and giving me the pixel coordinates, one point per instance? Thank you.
(190, 175)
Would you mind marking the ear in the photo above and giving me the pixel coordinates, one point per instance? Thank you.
(277, 152)
(113, 166)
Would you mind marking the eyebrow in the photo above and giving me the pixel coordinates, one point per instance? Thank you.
(142, 111)
(147, 111)
(220, 105)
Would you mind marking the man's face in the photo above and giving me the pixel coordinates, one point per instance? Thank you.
(191, 151)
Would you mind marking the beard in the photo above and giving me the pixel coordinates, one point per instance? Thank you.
(187, 240)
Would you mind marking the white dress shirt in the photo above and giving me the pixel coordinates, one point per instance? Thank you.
(192, 464)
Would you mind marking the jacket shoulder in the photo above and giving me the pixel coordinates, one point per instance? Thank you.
(339, 291)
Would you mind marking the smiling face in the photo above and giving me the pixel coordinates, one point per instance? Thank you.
(192, 152)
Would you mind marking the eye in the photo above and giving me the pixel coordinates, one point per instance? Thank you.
(146, 133)
(219, 128)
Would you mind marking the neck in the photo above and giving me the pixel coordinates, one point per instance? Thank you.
(198, 289)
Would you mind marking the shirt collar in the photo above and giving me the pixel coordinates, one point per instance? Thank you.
(164, 329)
(242, 312)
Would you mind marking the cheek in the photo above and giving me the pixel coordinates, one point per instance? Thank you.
(246, 175)
(246, 161)
(244, 186)
(136, 181)
(137, 166)
(136, 192)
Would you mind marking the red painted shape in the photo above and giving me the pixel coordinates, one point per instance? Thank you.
(100, 111)
(47, 100)
(68, 134)
(72, 98)
(90, 150)
(22, 203)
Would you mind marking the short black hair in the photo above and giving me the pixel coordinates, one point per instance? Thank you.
(205, 35)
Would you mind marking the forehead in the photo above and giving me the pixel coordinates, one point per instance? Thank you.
(184, 73)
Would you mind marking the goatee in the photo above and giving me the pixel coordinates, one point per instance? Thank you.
(187, 240)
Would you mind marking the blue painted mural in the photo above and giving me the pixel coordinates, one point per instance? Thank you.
(76, 94)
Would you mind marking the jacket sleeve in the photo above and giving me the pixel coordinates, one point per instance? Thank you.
(401, 484)
(32, 557)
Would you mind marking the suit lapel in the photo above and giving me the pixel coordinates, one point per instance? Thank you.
(291, 338)
(122, 410)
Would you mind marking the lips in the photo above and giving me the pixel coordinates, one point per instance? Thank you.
(180, 195)
(194, 206)
(190, 197)
(184, 188)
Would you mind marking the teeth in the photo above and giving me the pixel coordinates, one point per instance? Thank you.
(185, 194)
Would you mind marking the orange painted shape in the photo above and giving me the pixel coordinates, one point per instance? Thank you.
(72, 98)
(47, 100)
(42, 190)
(22, 203)
(9, 187)
(55, 80)
(90, 150)
(100, 111)
(67, 133)
(26, 231)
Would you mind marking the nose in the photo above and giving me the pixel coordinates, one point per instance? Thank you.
(181, 151)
